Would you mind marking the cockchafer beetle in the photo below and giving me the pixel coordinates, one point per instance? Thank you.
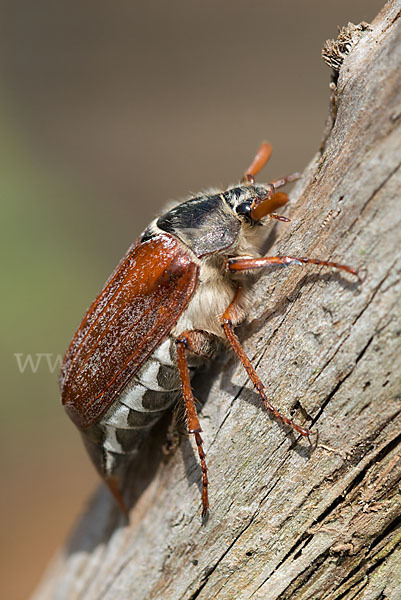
(182, 287)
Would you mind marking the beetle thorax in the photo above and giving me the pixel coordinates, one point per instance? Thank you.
(210, 229)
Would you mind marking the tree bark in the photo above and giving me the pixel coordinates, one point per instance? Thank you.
(288, 520)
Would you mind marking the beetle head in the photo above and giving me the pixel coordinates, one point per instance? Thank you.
(251, 203)
(212, 223)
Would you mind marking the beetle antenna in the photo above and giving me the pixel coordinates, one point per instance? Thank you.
(273, 199)
(267, 205)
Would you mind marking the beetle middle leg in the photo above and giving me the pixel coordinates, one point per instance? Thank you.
(195, 342)
(228, 319)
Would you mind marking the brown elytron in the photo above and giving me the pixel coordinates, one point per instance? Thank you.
(127, 321)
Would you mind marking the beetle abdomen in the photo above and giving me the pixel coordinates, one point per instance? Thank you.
(120, 432)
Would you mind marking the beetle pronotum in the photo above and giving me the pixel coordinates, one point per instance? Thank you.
(182, 287)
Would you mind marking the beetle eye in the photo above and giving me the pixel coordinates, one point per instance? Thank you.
(244, 210)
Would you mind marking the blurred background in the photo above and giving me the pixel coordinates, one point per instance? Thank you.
(107, 110)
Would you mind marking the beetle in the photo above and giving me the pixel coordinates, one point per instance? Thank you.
(180, 290)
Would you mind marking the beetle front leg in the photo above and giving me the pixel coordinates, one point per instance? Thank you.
(228, 327)
(192, 341)
(261, 158)
(246, 263)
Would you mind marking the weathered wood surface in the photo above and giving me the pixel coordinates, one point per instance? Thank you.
(288, 521)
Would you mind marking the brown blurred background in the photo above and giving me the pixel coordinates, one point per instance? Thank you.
(106, 111)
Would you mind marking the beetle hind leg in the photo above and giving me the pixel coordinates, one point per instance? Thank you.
(114, 484)
(193, 341)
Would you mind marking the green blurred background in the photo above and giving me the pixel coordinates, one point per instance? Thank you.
(107, 110)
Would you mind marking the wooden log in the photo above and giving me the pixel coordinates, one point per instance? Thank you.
(288, 520)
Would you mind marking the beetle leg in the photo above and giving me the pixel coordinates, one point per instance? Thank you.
(114, 484)
(278, 183)
(261, 158)
(173, 434)
(192, 341)
(246, 264)
(228, 327)
(279, 218)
